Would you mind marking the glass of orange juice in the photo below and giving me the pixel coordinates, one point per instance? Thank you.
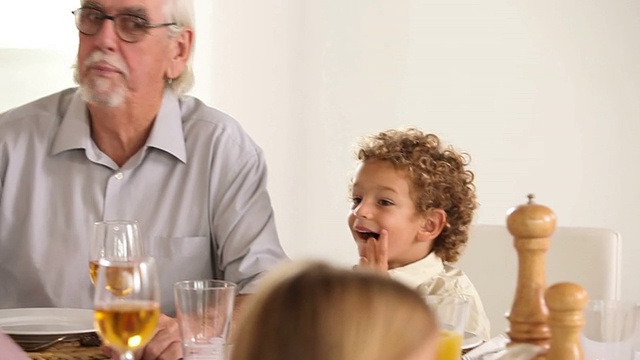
(451, 312)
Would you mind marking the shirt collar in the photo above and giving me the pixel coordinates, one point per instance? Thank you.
(166, 135)
(418, 272)
(74, 131)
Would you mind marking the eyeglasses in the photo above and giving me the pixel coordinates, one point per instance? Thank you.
(129, 28)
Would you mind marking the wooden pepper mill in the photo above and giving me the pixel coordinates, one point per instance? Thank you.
(531, 226)
(566, 302)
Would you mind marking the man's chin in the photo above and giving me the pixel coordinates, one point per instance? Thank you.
(107, 98)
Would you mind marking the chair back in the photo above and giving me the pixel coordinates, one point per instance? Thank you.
(586, 256)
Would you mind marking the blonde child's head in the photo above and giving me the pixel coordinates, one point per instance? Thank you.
(318, 312)
(438, 181)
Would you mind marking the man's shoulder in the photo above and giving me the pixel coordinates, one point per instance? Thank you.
(50, 108)
(195, 110)
(200, 120)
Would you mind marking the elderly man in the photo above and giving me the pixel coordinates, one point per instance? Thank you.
(128, 145)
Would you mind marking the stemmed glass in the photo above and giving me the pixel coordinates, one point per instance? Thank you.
(116, 240)
(127, 303)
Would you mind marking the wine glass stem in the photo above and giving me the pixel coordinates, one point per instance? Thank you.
(127, 355)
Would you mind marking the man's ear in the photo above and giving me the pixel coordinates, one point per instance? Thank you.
(433, 223)
(180, 52)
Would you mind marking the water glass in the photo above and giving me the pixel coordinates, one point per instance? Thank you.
(204, 310)
(451, 313)
(608, 333)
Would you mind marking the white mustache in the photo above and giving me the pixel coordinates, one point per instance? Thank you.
(113, 60)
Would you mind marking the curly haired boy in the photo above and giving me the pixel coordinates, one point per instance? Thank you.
(412, 204)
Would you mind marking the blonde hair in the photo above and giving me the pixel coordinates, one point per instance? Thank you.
(318, 312)
(438, 179)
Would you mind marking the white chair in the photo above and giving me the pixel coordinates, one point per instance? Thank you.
(586, 256)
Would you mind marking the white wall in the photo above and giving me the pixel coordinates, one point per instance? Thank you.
(35, 55)
(543, 94)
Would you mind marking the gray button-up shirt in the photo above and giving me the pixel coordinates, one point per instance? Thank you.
(197, 189)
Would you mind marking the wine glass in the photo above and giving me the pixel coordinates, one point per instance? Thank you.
(127, 303)
(116, 240)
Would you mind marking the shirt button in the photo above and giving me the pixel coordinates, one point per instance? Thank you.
(119, 176)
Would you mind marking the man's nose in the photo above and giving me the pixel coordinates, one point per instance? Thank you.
(106, 38)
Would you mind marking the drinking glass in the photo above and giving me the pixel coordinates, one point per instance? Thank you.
(116, 240)
(126, 303)
(451, 314)
(204, 311)
(608, 333)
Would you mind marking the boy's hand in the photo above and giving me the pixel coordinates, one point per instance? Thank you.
(376, 253)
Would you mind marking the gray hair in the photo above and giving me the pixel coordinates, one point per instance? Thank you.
(181, 12)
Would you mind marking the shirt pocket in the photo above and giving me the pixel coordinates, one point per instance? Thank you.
(168, 247)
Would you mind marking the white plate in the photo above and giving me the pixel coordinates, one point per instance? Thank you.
(46, 321)
(470, 341)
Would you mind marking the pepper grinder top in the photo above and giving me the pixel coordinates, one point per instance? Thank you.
(531, 220)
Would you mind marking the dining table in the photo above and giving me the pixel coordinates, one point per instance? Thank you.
(69, 350)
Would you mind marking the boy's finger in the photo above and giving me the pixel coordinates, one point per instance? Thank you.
(363, 262)
(383, 245)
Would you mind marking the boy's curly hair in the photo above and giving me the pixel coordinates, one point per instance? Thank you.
(438, 179)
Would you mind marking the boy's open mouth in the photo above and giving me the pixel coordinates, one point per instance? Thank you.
(366, 235)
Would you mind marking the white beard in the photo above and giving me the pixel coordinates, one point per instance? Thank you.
(101, 91)
(98, 90)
